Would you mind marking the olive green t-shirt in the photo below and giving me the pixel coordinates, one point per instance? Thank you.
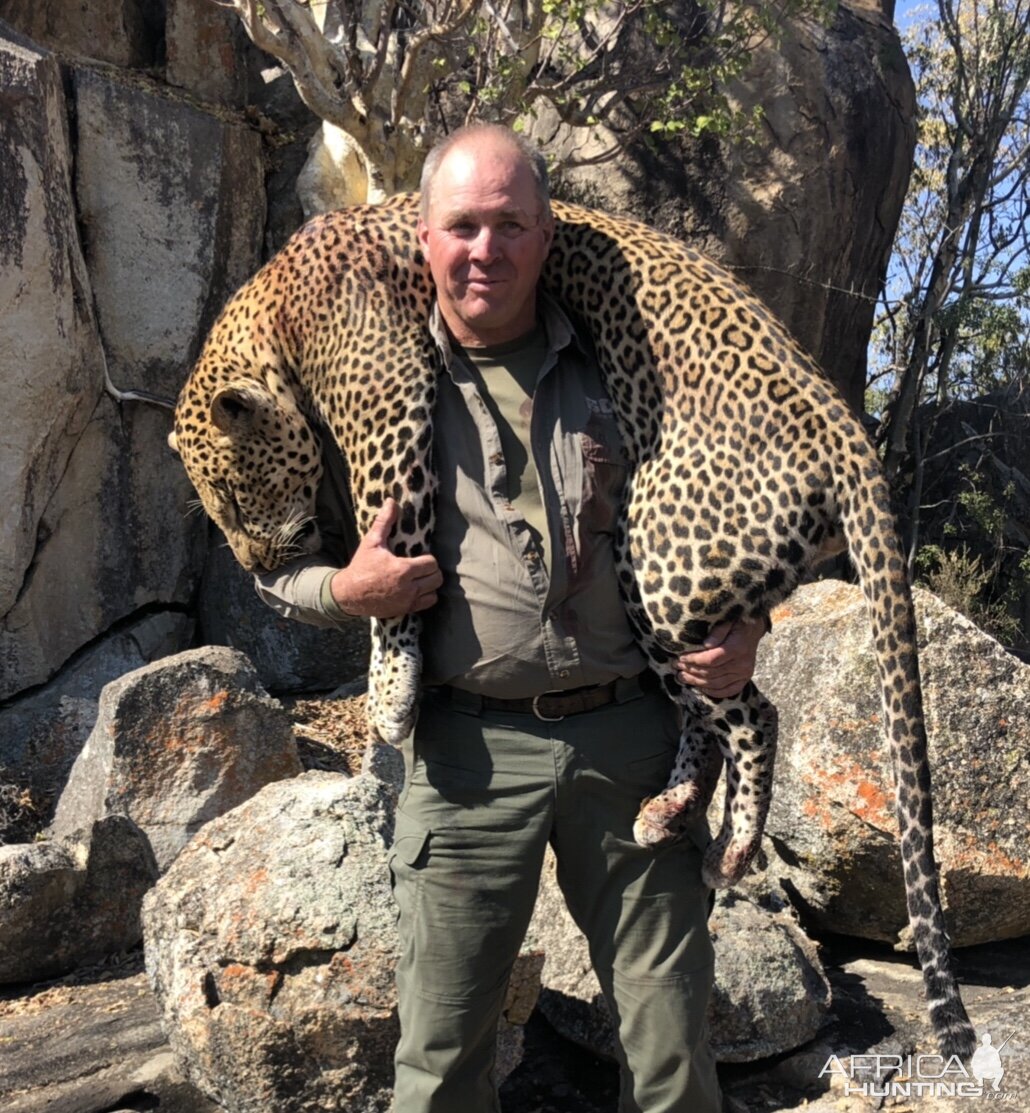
(508, 375)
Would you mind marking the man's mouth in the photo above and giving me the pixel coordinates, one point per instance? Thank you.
(481, 283)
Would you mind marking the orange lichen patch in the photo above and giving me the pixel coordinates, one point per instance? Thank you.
(257, 880)
(875, 807)
(847, 725)
(817, 810)
(214, 704)
(781, 613)
(239, 983)
(343, 962)
(851, 787)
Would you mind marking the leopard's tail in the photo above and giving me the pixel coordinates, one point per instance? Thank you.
(876, 551)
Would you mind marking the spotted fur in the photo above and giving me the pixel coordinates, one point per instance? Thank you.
(747, 468)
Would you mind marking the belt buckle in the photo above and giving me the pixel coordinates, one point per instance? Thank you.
(540, 715)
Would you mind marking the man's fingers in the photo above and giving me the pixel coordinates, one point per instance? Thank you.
(424, 602)
(422, 566)
(718, 634)
(431, 581)
(379, 530)
(726, 676)
(704, 658)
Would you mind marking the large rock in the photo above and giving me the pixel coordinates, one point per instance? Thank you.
(771, 994)
(175, 243)
(73, 901)
(832, 834)
(122, 32)
(176, 744)
(207, 51)
(50, 360)
(806, 214)
(171, 204)
(289, 656)
(271, 944)
(42, 733)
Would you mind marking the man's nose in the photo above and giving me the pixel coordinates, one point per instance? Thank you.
(485, 246)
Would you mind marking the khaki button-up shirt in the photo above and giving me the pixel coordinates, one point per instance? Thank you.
(508, 623)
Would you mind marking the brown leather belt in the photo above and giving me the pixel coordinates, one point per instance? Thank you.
(550, 707)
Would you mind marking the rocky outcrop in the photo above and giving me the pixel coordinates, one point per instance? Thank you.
(771, 994)
(69, 902)
(806, 214)
(134, 286)
(176, 744)
(207, 51)
(831, 832)
(271, 944)
(123, 32)
(49, 352)
(42, 733)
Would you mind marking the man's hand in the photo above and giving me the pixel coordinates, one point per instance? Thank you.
(378, 584)
(727, 661)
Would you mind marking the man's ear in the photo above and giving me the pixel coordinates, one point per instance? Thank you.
(423, 237)
(548, 227)
(173, 442)
(234, 410)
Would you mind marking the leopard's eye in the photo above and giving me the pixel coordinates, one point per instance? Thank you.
(225, 493)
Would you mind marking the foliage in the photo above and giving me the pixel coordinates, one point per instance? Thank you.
(20, 812)
(976, 561)
(964, 582)
(955, 311)
(956, 307)
(393, 75)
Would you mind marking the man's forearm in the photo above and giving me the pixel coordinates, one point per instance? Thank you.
(299, 590)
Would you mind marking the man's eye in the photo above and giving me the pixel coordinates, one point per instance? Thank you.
(463, 228)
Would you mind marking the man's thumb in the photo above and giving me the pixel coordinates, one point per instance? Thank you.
(380, 529)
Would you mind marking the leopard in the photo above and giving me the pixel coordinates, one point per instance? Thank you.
(747, 469)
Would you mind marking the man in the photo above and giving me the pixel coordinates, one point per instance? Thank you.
(540, 723)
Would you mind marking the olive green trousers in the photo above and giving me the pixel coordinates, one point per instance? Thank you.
(484, 794)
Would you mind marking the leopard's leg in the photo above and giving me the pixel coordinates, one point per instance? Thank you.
(745, 728)
(690, 789)
(394, 669)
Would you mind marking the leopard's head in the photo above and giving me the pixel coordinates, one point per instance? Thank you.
(251, 454)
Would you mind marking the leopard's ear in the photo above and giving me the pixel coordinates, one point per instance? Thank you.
(173, 442)
(234, 409)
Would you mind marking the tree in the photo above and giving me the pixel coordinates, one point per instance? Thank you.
(950, 349)
(394, 74)
(960, 273)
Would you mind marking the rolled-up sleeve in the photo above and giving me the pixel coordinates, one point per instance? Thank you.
(297, 591)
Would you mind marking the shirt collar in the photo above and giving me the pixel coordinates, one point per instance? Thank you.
(560, 330)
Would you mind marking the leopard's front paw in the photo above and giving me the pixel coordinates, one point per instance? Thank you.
(392, 724)
(664, 817)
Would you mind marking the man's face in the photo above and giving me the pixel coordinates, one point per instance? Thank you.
(486, 236)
